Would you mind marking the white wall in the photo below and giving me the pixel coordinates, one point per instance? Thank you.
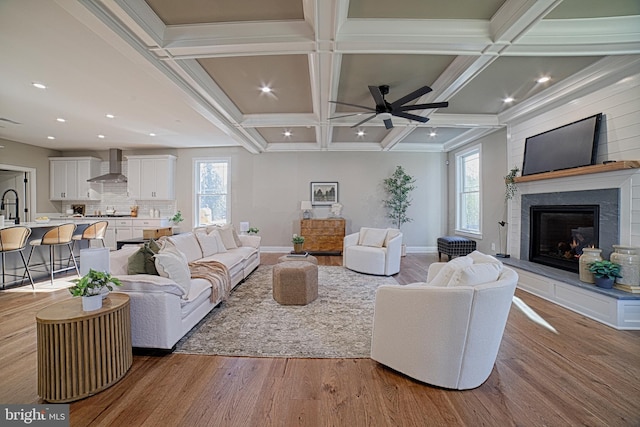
(267, 190)
(493, 170)
(619, 140)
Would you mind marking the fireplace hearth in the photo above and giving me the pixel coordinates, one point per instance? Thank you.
(560, 232)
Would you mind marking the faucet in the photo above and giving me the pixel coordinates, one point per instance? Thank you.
(2, 205)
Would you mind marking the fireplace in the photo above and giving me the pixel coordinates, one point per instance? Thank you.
(560, 232)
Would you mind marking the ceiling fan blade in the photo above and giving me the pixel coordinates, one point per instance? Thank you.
(353, 105)
(423, 106)
(346, 115)
(377, 96)
(364, 121)
(388, 123)
(410, 116)
(410, 97)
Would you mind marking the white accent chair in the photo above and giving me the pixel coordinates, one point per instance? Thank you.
(442, 335)
(373, 251)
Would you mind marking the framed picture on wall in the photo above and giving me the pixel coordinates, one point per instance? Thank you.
(324, 193)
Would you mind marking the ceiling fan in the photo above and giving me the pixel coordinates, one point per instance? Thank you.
(386, 109)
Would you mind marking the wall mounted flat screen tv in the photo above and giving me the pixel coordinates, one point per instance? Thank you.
(569, 146)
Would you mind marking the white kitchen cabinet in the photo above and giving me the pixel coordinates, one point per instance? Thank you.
(118, 229)
(151, 177)
(69, 175)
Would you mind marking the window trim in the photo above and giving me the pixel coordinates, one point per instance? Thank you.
(195, 182)
(460, 157)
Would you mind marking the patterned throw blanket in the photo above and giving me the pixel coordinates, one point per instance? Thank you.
(216, 273)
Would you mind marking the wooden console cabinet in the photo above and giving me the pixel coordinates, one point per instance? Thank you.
(323, 236)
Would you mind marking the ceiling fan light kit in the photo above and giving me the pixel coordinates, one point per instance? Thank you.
(385, 110)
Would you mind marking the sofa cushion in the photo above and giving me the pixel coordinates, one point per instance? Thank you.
(208, 244)
(445, 273)
(216, 234)
(172, 263)
(226, 233)
(199, 293)
(148, 283)
(475, 274)
(142, 262)
(187, 243)
(479, 258)
(118, 260)
(374, 237)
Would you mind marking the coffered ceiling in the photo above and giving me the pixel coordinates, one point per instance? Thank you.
(191, 72)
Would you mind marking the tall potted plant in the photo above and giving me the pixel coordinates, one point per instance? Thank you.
(510, 190)
(398, 188)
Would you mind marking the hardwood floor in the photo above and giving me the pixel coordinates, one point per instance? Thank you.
(586, 374)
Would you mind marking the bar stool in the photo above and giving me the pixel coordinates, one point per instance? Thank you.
(14, 239)
(94, 231)
(57, 236)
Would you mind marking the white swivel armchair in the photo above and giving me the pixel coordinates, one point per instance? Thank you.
(447, 336)
(373, 251)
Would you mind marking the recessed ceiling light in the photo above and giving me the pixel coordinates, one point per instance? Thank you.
(101, 136)
(508, 99)
(51, 137)
(544, 79)
(265, 89)
(360, 133)
(432, 133)
(60, 119)
(110, 116)
(287, 133)
(39, 85)
(152, 134)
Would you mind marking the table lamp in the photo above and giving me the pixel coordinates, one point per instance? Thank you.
(306, 207)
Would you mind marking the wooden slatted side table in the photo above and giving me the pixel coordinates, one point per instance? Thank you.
(81, 353)
(323, 236)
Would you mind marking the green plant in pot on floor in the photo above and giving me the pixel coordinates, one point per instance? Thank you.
(91, 286)
(605, 272)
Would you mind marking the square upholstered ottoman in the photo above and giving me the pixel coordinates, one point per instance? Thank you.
(295, 282)
(454, 246)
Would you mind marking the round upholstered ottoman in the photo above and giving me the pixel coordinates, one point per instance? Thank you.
(308, 258)
(295, 282)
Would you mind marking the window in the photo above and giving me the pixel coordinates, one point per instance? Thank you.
(468, 199)
(212, 191)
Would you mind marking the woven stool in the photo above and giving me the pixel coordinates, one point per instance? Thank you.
(454, 246)
(295, 282)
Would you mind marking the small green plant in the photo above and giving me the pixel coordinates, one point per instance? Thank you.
(398, 186)
(297, 239)
(92, 283)
(177, 218)
(510, 185)
(253, 230)
(604, 268)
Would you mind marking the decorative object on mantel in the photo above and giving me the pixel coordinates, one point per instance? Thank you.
(605, 272)
(629, 260)
(503, 253)
(91, 288)
(305, 207)
(588, 256)
(298, 242)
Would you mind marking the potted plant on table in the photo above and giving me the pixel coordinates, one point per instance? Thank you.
(253, 230)
(91, 287)
(298, 242)
(605, 272)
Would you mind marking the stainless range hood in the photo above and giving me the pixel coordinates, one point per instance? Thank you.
(115, 168)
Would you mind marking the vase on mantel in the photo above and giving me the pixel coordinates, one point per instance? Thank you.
(629, 259)
(588, 256)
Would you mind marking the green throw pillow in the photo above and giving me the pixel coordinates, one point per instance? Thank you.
(142, 261)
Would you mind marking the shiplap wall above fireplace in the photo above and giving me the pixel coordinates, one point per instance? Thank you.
(619, 140)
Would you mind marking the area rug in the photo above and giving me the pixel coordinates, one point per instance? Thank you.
(251, 323)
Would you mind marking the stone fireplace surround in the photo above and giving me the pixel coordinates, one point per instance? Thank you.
(615, 308)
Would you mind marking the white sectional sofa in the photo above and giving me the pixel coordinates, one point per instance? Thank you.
(164, 309)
